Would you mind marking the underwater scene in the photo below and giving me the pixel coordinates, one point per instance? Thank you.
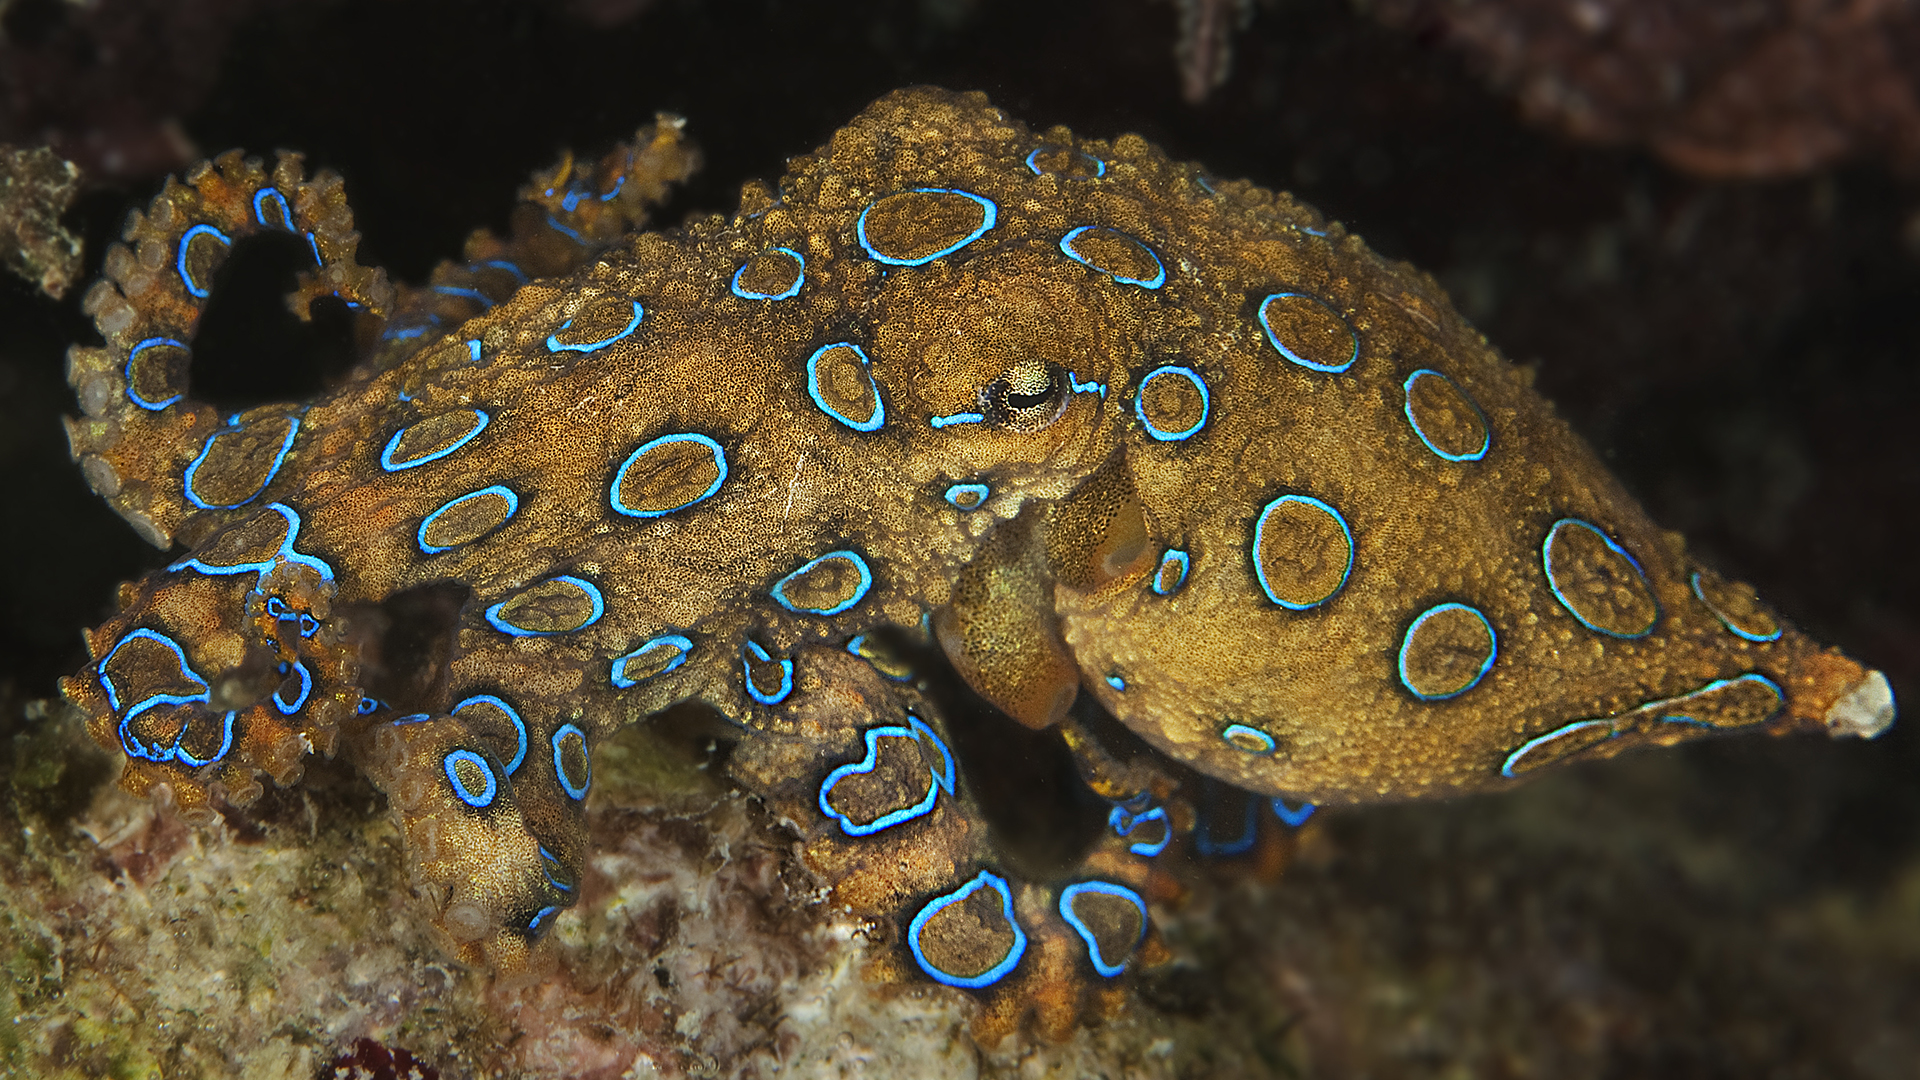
(1159, 538)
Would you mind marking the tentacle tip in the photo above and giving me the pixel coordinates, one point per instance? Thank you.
(1864, 711)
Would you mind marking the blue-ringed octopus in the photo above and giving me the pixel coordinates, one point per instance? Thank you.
(1170, 469)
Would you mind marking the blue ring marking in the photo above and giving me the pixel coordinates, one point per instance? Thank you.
(481, 799)
(1124, 822)
(1117, 683)
(554, 223)
(368, 706)
(1293, 817)
(185, 757)
(1205, 844)
(403, 333)
(786, 675)
(1406, 642)
(1088, 387)
(1330, 369)
(993, 974)
(1103, 888)
(679, 642)
(545, 913)
(1728, 623)
(464, 293)
(285, 224)
(386, 456)
(127, 372)
(144, 634)
(1178, 558)
(779, 590)
(791, 291)
(1099, 166)
(936, 781)
(1260, 571)
(871, 423)
(990, 213)
(513, 714)
(1265, 740)
(309, 625)
(959, 492)
(1506, 767)
(285, 553)
(1169, 370)
(473, 355)
(719, 459)
(958, 418)
(1159, 278)
(511, 268)
(1546, 566)
(553, 339)
(507, 493)
(855, 646)
(548, 860)
(593, 594)
(1751, 676)
(314, 244)
(180, 260)
(1486, 430)
(288, 708)
(576, 792)
(946, 778)
(410, 718)
(293, 428)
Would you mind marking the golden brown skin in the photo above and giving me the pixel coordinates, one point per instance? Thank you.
(1102, 425)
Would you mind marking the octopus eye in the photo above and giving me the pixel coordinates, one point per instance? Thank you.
(1029, 396)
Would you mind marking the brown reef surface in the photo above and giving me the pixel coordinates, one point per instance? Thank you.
(1741, 352)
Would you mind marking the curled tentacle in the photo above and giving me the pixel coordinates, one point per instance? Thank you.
(159, 457)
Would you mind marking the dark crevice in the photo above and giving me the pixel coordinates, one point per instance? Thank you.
(250, 349)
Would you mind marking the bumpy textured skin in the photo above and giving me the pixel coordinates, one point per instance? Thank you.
(1109, 431)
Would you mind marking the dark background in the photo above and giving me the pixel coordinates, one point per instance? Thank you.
(1745, 354)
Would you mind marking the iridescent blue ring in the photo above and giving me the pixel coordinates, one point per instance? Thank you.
(790, 291)
(575, 791)
(513, 714)
(1546, 565)
(481, 799)
(620, 475)
(386, 455)
(265, 194)
(554, 344)
(879, 415)
(989, 213)
(1158, 279)
(1406, 643)
(132, 354)
(985, 879)
(194, 288)
(513, 507)
(1101, 888)
(1259, 529)
(1286, 351)
(279, 458)
(1172, 371)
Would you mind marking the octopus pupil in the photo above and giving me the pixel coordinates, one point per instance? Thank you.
(1015, 396)
(1028, 401)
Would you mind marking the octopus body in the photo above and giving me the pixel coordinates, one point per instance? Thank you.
(1122, 441)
